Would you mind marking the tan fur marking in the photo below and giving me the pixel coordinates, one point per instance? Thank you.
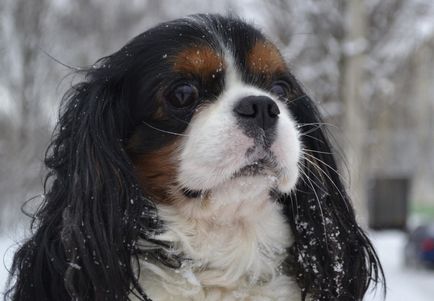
(156, 172)
(202, 61)
(264, 58)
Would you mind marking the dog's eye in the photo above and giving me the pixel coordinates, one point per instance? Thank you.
(280, 89)
(183, 96)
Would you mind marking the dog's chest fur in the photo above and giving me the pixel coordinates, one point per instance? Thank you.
(234, 242)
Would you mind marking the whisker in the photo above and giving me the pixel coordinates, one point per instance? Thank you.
(318, 123)
(318, 126)
(333, 169)
(311, 130)
(295, 99)
(179, 119)
(294, 210)
(319, 205)
(318, 178)
(164, 131)
(312, 137)
(316, 166)
(315, 151)
(328, 177)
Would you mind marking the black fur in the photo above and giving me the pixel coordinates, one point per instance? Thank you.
(332, 258)
(83, 246)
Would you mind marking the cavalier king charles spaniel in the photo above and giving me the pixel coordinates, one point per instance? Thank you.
(191, 165)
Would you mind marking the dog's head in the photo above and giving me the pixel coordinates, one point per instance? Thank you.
(210, 105)
(189, 108)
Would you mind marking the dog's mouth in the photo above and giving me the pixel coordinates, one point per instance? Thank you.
(257, 167)
(260, 162)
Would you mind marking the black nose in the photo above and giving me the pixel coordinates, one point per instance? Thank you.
(260, 111)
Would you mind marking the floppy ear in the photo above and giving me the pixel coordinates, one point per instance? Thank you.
(94, 211)
(332, 257)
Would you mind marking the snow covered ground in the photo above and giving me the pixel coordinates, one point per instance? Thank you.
(6, 251)
(403, 284)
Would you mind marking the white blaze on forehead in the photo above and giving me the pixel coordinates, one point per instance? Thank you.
(215, 147)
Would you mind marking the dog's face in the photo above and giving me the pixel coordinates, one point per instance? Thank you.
(215, 100)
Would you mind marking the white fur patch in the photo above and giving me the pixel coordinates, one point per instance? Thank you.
(235, 237)
(235, 243)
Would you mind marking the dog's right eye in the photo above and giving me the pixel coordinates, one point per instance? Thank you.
(183, 96)
(280, 89)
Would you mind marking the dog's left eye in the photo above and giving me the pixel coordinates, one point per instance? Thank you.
(183, 96)
(280, 89)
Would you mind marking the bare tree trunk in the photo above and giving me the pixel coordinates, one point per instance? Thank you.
(354, 119)
(28, 24)
(423, 121)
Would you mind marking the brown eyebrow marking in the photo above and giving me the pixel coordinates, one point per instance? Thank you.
(265, 58)
(201, 60)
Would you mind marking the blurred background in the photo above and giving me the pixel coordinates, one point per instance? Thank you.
(369, 65)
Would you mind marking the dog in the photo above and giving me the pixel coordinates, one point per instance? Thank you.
(191, 165)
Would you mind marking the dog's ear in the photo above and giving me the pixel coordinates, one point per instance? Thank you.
(332, 257)
(93, 212)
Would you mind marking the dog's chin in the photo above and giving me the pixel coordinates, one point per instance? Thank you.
(279, 180)
(256, 176)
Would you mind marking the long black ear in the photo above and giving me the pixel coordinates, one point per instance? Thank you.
(332, 257)
(93, 212)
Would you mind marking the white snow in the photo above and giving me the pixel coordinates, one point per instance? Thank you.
(7, 247)
(403, 284)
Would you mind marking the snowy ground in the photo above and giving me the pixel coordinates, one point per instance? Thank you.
(403, 284)
(6, 251)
